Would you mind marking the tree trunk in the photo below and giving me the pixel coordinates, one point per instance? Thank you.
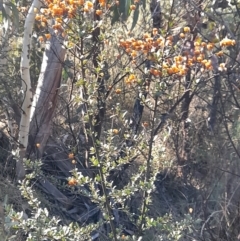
(26, 87)
(45, 99)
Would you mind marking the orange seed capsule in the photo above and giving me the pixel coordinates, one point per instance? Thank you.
(115, 131)
(72, 182)
(70, 155)
(186, 29)
(210, 46)
(145, 124)
(48, 35)
(40, 39)
(98, 12)
(170, 38)
(118, 91)
(182, 35)
(133, 7)
(89, 4)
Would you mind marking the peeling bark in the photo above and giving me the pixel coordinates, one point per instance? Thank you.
(45, 99)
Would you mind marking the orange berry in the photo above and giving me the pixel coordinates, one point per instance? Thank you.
(38, 145)
(165, 65)
(197, 51)
(128, 50)
(156, 72)
(89, 4)
(199, 58)
(155, 31)
(43, 24)
(151, 71)
(98, 12)
(182, 35)
(145, 124)
(123, 236)
(159, 40)
(48, 35)
(59, 20)
(134, 54)
(86, 9)
(133, 7)
(81, 2)
(132, 77)
(227, 42)
(196, 44)
(72, 181)
(222, 67)
(41, 39)
(170, 71)
(220, 53)
(38, 17)
(102, 4)
(146, 35)
(204, 61)
(186, 30)
(70, 155)
(210, 46)
(115, 131)
(233, 42)
(128, 81)
(208, 64)
(118, 91)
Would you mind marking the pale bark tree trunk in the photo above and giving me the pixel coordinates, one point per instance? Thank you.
(26, 87)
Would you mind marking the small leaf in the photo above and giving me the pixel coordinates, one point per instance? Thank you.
(125, 8)
(135, 17)
(4, 14)
(15, 16)
(116, 15)
(5, 19)
(144, 4)
(123, 11)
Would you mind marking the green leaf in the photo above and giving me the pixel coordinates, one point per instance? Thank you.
(123, 11)
(5, 19)
(135, 17)
(4, 14)
(144, 4)
(15, 15)
(124, 8)
(116, 15)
